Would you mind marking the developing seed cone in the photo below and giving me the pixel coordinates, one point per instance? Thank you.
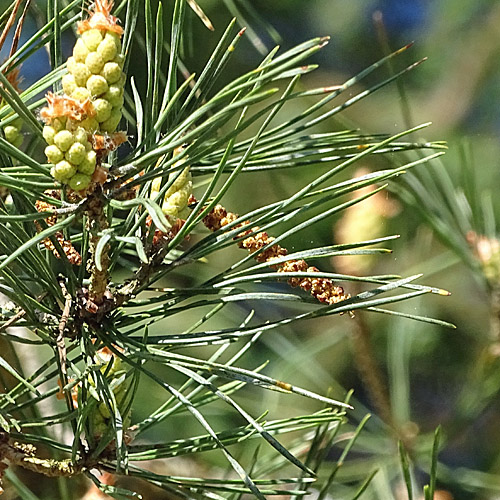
(361, 222)
(115, 374)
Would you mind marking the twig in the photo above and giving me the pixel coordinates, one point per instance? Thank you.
(12, 320)
(97, 222)
(24, 455)
(61, 346)
(369, 370)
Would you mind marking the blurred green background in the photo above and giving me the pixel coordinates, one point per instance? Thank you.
(433, 375)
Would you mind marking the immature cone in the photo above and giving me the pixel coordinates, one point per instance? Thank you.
(487, 252)
(12, 132)
(100, 417)
(81, 124)
(361, 222)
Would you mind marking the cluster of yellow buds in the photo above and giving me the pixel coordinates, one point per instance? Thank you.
(96, 73)
(175, 203)
(80, 125)
(12, 132)
(69, 148)
(176, 200)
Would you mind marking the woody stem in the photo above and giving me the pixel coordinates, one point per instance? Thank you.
(97, 222)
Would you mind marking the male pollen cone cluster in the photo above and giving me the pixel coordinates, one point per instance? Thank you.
(80, 125)
(322, 289)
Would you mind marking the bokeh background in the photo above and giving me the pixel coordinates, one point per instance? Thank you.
(431, 375)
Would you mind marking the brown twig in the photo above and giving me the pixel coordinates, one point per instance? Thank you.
(61, 347)
(24, 455)
(369, 370)
(97, 222)
(12, 321)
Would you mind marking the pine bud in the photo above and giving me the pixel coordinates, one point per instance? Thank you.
(87, 166)
(112, 72)
(76, 153)
(94, 62)
(176, 197)
(81, 73)
(54, 154)
(97, 85)
(114, 96)
(49, 133)
(79, 181)
(64, 140)
(81, 135)
(92, 38)
(63, 171)
(102, 110)
(175, 201)
(111, 124)
(107, 49)
(80, 51)
(12, 132)
(68, 83)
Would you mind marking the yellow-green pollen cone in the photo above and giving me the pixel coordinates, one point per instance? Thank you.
(95, 72)
(12, 132)
(176, 199)
(80, 125)
(68, 148)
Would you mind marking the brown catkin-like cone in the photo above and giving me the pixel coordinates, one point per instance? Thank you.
(70, 251)
(322, 289)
